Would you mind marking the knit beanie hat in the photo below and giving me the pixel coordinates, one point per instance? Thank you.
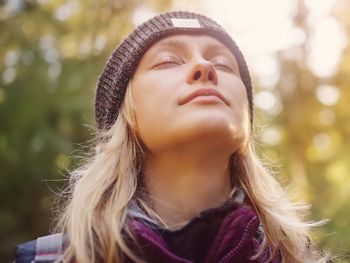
(122, 64)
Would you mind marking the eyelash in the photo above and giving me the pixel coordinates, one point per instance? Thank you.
(167, 62)
(224, 66)
(173, 61)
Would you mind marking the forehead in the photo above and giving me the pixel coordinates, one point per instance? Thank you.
(188, 41)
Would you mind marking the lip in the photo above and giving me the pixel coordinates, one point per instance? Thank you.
(204, 92)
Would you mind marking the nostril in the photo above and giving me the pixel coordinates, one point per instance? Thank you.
(197, 75)
(210, 76)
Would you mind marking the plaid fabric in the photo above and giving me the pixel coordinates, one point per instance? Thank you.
(44, 249)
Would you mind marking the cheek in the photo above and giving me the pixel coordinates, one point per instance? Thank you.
(240, 106)
(238, 96)
(153, 109)
(240, 103)
(152, 97)
(146, 124)
(146, 104)
(155, 93)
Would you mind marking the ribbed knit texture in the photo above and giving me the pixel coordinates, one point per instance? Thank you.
(122, 64)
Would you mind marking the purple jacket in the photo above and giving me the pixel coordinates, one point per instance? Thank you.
(230, 233)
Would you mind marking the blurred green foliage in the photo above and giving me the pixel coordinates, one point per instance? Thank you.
(52, 53)
(314, 150)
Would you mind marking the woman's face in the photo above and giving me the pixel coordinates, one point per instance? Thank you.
(187, 89)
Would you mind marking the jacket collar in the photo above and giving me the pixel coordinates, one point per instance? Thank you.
(237, 197)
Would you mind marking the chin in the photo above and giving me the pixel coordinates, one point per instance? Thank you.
(212, 121)
(219, 127)
(215, 128)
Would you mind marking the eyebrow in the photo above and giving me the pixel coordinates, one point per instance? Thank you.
(217, 47)
(178, 44)
(174, 43)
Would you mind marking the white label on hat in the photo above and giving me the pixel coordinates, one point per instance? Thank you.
(185, 22)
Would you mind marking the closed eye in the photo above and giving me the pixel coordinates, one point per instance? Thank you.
(222, 66)
(167, 62)
(222, 63)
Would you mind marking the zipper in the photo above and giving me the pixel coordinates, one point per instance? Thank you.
(244, 238)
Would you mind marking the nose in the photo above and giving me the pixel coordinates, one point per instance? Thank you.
(202, 71)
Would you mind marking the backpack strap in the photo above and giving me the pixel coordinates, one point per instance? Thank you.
(49, 248)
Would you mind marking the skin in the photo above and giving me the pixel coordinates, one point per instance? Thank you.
(189, 144)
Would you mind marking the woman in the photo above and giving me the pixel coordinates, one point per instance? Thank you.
(175, 177)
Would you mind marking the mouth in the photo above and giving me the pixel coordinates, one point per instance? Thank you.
(204, 92)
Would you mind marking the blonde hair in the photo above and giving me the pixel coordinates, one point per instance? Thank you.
(94, 217)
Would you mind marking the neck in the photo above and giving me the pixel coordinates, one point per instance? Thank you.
(182, 183)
